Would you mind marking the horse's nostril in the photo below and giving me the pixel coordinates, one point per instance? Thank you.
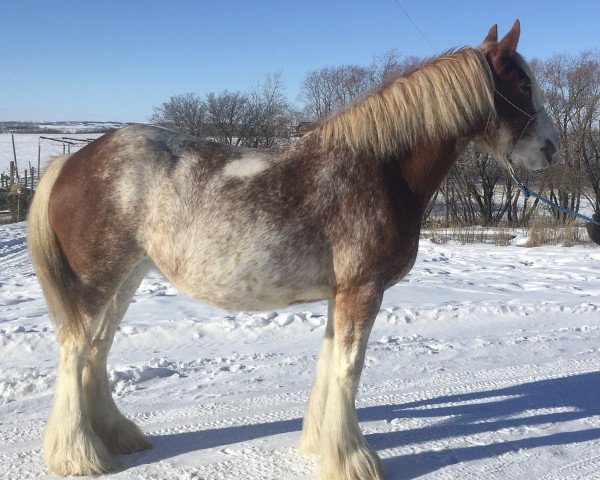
(549, 150)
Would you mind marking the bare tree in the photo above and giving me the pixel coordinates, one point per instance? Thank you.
(390, 66)
(185, 113)
(571, 85)
(318, 93)
(270, 115)
(328, 89)
(476, 191)
(261, 117)
(227, 112)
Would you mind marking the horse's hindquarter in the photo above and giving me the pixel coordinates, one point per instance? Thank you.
(229, 231)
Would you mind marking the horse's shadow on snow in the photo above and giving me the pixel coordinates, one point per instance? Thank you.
(518, 407)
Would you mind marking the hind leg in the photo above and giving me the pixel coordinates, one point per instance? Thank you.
(119, 434)
(71, 447)
(315, 408)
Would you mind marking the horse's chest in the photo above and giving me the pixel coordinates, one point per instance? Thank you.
(398, 259)
(398, 266)
(402, 267)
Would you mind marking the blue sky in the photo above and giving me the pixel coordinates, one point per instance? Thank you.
(116, 59)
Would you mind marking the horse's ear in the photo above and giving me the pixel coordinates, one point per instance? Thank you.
(492, 36)
(508, 45)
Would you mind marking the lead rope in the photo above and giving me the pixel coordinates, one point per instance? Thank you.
(527, 192)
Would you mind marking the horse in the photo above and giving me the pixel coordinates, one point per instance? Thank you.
(334, 216)
(593, 229)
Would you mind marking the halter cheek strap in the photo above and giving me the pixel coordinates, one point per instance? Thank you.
(531, 117)
(516, 107)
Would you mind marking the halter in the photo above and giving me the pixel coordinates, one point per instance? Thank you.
(527, 192)
(531, 117)
(506, 162)
(516, 107)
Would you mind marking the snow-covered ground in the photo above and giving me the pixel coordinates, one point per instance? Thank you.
(26, 148)
(484, 364)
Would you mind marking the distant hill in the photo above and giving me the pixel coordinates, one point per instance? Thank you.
(60, 127)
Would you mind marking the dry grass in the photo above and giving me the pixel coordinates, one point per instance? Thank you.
(458, 234)
(569, 232)
(543, 230)
(502, 237)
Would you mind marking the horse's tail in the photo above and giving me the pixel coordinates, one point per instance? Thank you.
(53, 272)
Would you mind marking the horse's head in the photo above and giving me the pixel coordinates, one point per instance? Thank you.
(522, 129)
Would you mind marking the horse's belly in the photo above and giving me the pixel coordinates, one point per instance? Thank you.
(252, 289)
(235, 277)
(260, 300)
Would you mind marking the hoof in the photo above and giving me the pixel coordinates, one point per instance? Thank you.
(123, 437)
(359, 464)
(78, 454)
(308, 446)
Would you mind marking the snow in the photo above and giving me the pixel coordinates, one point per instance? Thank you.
(483, 364)
(26, 148)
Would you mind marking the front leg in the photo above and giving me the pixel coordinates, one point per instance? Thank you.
(344, 452)
(315, 409)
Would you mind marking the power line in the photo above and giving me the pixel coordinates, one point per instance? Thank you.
(414, 24)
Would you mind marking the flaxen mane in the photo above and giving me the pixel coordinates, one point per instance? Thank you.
(440, 99)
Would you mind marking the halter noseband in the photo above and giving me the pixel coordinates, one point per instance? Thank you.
(531, 117)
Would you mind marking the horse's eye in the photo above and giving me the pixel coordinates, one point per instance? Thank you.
(526, 89)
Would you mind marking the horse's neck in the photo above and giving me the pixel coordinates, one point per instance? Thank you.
(425, 168)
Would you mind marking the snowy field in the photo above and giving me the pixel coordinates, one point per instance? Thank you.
(26, 147)
(484, 364)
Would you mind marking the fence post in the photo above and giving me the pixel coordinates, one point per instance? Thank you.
(15, 156)
(39, 157)
(26, 178)
(447, 201)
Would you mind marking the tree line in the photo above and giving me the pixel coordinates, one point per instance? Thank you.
(261, 117)
(477, 191)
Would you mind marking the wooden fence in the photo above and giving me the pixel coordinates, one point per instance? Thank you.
(16, 193)
(17, 188)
